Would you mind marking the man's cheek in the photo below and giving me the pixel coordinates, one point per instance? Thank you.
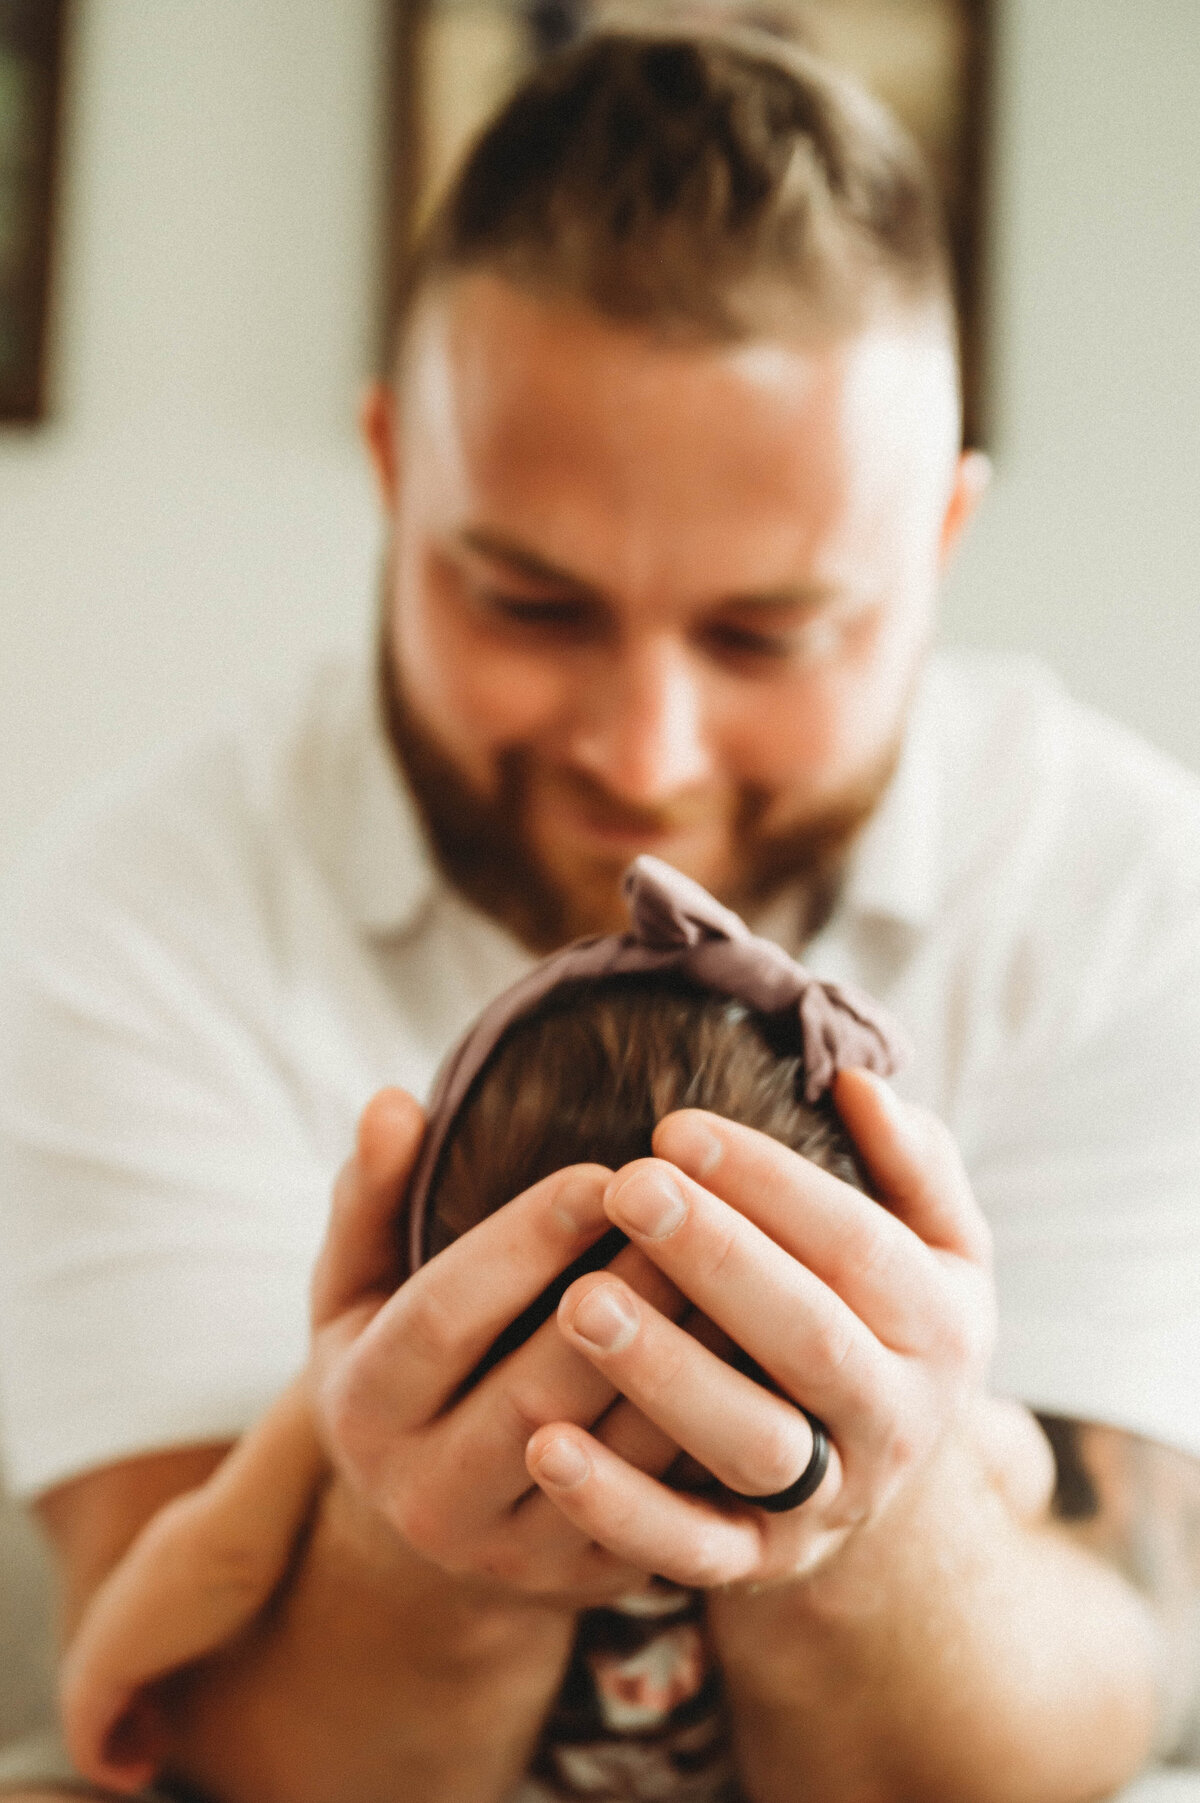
(790, 749)
(843, 719)
(502, 704)
(479, 699)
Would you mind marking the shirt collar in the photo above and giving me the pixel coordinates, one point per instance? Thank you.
(894, 871)
(388, 871)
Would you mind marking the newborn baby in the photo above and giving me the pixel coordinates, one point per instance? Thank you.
(577, 1063)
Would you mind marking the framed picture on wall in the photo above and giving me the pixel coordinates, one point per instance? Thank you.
(31, 56)
(454, 61)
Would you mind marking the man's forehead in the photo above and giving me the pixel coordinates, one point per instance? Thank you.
(480, 326)
(534, 410)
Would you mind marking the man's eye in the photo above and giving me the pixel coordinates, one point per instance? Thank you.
(812, 641)
(742, 641)
(565, 616)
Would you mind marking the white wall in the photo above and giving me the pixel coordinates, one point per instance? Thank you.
(196, 516)
(1089, 548)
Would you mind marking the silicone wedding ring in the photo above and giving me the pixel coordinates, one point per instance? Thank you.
(805, 1485)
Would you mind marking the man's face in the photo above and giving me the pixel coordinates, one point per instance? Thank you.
(655, 598)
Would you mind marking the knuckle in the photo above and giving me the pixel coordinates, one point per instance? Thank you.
(660, 1373)
(421, 1518)
(231, 1563)
(831, 1342)
(430, 1331)
(722, 1243)
(965, 1330)
(235, 1573)
(868, 1250)
(525, 1409)
(233, 1568)
(349, 1404)
(703, 1558)
(899, 1451)
(893, 1447)
(772, 1459)
(507, 1562)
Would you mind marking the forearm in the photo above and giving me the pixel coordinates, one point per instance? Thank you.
(373, 1677)
(195, 1577)
(991, 1662)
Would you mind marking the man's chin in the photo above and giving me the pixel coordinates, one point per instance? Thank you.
(589, 877)
(589, 894)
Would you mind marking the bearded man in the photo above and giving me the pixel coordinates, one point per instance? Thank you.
(671, 466)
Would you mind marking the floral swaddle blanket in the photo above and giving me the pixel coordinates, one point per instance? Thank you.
(640, 1717)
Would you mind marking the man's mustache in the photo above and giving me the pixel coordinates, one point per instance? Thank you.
(613, 812)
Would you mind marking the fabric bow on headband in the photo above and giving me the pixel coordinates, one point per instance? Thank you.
(675, 925)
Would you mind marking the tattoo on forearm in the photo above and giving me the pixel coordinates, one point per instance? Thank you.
(1136, 1504)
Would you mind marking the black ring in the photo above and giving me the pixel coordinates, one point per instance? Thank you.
(806, 1484)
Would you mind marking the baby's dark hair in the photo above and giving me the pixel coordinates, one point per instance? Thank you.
(589, 1073)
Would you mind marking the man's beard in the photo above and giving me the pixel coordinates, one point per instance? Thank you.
(482, 843)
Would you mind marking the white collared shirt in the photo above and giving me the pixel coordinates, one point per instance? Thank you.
(205, 975)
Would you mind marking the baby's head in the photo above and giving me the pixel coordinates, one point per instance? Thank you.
(586, 1077)
(580, 1060)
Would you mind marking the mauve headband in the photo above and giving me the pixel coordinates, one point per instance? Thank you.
(675, 925)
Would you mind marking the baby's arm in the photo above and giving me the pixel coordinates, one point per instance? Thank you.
(198, 1573)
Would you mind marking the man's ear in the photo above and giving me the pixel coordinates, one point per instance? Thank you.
(380, 427)
(971, 480)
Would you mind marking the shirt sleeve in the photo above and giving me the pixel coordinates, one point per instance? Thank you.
(1083, 1135)
(160, 1197)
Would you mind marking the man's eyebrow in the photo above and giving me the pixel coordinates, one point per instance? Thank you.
(799, 596)
(523, 562)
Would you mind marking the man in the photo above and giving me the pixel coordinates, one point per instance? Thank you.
(671, 469)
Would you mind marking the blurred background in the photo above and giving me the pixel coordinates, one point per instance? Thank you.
(191, 516)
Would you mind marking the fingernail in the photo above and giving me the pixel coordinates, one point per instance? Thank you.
(604, 1318)
(693, 1146)
(562, 1465)
(576, 1203)
(650, 1204)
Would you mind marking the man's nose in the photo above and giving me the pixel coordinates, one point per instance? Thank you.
(642, 732)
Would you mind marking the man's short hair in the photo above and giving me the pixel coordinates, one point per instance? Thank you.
(707, 184)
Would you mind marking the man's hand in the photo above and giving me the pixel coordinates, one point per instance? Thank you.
(877, 1319)
(920, 1628)
(441, 1462)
